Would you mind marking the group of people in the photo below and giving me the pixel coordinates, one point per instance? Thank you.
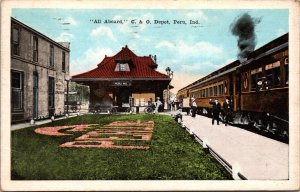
(158, 104)
(216, 110)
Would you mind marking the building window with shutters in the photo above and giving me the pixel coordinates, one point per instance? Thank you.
(35, 49)
(51, 62)
(17, 90)
(63, 59)
(51, 92)
(16, 41)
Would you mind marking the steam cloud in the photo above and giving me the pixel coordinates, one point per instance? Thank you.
(244, 28)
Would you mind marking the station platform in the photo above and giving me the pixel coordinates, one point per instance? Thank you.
(244, 154)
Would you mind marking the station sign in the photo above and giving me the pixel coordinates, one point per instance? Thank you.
(121, 83)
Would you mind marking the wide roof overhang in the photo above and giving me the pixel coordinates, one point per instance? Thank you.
(119, 79)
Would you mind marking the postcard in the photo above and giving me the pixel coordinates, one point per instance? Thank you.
(149, 95)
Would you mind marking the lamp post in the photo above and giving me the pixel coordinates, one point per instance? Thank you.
(170, 74)
(67, 78)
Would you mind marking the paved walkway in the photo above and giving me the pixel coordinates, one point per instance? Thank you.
(254, 156)
(41, 122)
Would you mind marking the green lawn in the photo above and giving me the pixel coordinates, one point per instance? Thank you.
(173, 154)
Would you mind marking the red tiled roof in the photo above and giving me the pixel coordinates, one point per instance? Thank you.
(140, 67)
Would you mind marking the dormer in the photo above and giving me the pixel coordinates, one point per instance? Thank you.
(122, 66)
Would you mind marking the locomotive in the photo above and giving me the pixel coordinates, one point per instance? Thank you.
(257, 89)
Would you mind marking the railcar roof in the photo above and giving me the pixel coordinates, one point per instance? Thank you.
(267, 49)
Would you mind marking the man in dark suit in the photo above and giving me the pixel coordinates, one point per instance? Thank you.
(216, 108)
(226, 110)
(193, 106)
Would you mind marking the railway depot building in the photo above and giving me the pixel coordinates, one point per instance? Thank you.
(39, 67)
(124, 80)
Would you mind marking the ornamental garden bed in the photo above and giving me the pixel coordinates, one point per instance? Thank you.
(111, 147)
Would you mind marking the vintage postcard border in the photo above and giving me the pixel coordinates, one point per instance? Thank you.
(292, 183)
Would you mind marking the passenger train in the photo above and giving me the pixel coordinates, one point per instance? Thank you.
(256, 87)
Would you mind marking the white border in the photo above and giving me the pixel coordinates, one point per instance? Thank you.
(291, 184)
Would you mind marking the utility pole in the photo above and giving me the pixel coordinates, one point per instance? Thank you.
(170, 74)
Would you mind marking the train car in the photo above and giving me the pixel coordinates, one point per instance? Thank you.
(183, 98)
(217, 85)
(264, 87)
(256, 87)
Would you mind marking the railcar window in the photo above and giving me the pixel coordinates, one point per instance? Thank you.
(226, 86)
(286, 70)
(215, 90)
(256, 79)
(272, 75)
(221, 89)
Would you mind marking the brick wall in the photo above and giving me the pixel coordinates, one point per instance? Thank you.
(24, 63)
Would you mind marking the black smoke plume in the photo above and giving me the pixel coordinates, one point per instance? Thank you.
(244, 28)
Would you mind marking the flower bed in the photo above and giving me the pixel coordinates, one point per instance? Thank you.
(104, 137)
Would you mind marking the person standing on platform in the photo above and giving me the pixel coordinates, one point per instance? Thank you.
(194, 106)
(157, 104)
(172, 105)
(216, 108)
(226, 109)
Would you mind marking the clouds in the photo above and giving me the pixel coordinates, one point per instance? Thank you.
(90, 59)
(65, 37)
(199, 15)
(133, 29)
(193, 59)
(130, 27)
(190, 51)
(182, 79)
(165, 44)
(103, 31)
(205, 49)
(70, 21)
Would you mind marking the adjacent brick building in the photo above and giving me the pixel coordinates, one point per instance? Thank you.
(39, 68)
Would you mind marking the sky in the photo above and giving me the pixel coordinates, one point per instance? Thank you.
(192, 51)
